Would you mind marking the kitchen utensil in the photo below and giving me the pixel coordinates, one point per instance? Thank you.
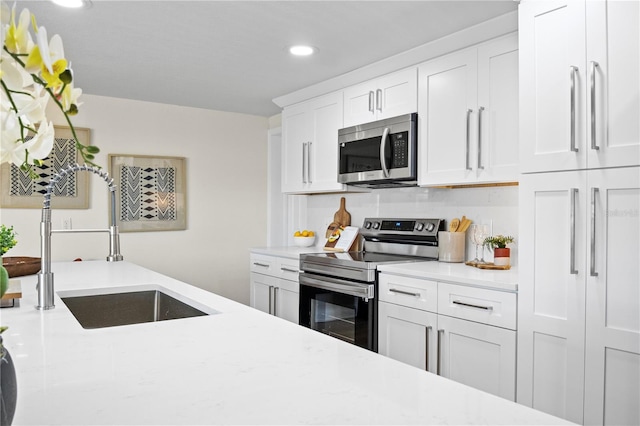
(453, 226)
(342, 216)
(464, 224)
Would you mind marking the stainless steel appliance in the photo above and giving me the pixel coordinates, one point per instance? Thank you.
(379, 154)
(338, 291)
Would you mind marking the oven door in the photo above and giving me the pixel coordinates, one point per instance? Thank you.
(343, 309)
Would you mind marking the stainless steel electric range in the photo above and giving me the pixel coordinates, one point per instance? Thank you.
(338, 291)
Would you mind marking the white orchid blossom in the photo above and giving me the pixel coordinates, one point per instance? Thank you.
(31, 75)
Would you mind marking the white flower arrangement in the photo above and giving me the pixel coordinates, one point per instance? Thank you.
(31, 74)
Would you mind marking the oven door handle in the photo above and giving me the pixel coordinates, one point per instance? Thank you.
(346, 287)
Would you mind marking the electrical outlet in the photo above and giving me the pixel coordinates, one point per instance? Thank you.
(66, 223)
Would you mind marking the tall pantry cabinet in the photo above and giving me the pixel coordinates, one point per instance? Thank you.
(579, 291)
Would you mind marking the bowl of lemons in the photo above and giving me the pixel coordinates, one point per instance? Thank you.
(304, 238)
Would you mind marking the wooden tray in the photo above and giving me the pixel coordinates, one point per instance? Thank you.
(20, 266)
(487, 265)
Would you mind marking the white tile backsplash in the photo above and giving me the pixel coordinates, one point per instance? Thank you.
(496, 206)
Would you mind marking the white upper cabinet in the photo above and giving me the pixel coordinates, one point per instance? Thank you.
(580, 92)
(468, 115)
(310, 145)
(387, 96)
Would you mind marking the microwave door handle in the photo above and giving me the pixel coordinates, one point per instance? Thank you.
(383, 146)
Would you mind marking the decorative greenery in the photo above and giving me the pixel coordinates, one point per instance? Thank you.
(31, 74)
(7, 242)
(498, 241)
(7, 239)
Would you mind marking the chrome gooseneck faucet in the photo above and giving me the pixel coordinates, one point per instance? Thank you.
(45, 277)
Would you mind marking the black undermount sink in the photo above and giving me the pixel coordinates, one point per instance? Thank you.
(130, 306)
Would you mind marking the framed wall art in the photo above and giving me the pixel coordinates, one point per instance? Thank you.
(151, 192)
(19, 190)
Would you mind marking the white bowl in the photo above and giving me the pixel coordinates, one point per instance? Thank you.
(304, 241)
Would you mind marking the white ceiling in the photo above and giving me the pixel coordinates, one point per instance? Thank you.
(231, 55)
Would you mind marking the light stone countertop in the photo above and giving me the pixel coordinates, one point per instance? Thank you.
(459, 273)
(505, 280)
(288, 252)
(240, 366)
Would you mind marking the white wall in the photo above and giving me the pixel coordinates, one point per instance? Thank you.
(226, 192)
(496, 206)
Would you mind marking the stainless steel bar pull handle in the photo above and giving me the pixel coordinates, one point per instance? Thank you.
(271, 299)
(408, 293)
(594, 144)
(480, 166)
(379, 99)
(573, 193)
(275, 301)
(594, 194)
(467, 165)
(309, 162)
(438, 366)
(471, 305)
(572, 76)
(282, 268)
(304, 162)
(426, 347)
(261, 264)
(371, 106)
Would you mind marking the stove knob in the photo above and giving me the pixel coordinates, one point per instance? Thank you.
(367, 225)
(419, 226)
(376, 225)
(430, 227)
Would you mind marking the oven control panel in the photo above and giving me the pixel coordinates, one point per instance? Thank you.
(411, 227)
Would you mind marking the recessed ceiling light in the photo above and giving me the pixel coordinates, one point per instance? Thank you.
(301, 50)
(72, 3)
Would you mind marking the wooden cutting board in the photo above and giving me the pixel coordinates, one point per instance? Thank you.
(342, 216)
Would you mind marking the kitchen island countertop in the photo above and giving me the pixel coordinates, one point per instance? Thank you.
(240, 366)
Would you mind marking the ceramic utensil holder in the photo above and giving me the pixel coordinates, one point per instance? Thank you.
(451, 246)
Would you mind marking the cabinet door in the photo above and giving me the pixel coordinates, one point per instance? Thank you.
(478, 355)
(407, 335)
(613, 86)
(551, 293)
(612, 364)
(286, 304)
(326, 119)
(261, 293)
(552, 78)
(296, 135)
(446, 103)
(359, 103)
(397, 94)
(496, 159)
(388, 96)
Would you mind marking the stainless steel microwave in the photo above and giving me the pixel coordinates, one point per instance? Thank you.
(380, 154)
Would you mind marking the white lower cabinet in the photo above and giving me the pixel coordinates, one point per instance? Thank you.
(274, 286)
(408, 335)
(463, 333)
(478, 355)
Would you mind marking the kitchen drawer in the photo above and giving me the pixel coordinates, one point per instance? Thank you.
(491, 307)
(407, 291)
(288, 269)
(264, 264)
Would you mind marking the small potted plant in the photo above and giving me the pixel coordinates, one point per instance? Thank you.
(501, 253)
